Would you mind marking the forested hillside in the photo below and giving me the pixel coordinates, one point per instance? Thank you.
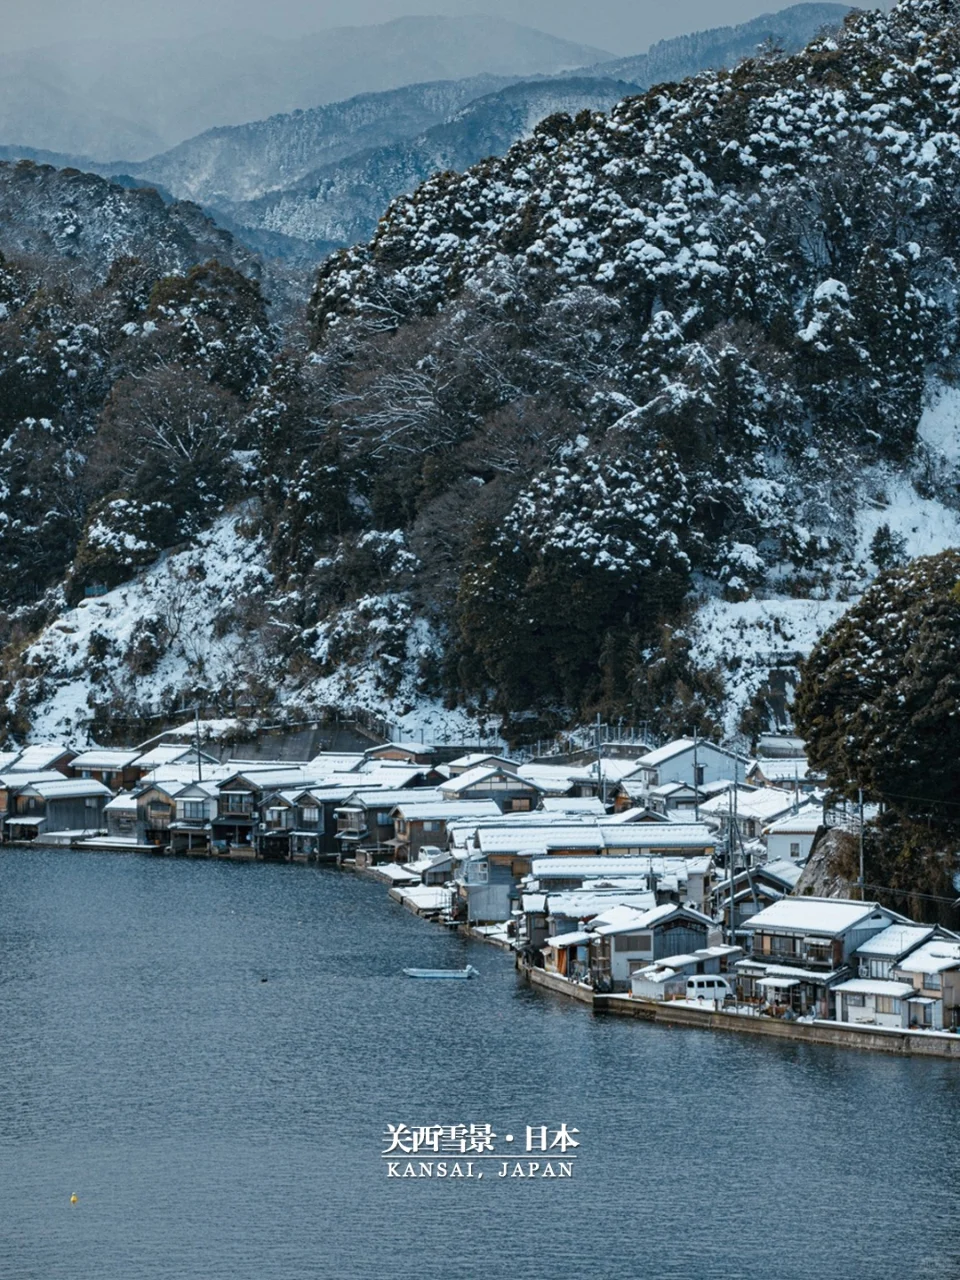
(568, 421)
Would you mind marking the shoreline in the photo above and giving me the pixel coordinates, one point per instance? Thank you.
(888, 1040)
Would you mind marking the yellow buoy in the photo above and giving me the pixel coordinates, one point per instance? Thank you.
(74, 1199)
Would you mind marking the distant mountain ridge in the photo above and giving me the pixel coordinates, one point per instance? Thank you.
(134, 101)
(671, 60)
(323, 177)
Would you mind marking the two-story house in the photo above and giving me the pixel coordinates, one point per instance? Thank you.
(798, 949)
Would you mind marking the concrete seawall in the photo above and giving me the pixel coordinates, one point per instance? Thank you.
(876, 1040)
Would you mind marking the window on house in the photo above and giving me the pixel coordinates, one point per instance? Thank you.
(634, 942)
(90, 802)
(854, 1000)
(794, 848)
(819, 951)
(158, 806)
(194, 810)
(931, 981)
(384, 820)
(888, 1004)
(431, 826)
(311, 813)
(698, 775)
(520, 805)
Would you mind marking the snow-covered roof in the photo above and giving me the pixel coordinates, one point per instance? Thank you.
(416, 810)
(543, 838)
(382, 798)
(621, 867)
(933, 957)
(166, 753)
(474, 758)
(764, 803)
(670, 749)
(818, 916)
(875, 987)
(476, 778)
(40, 755)
(14, 778)
(784, 769)
(656, 836)
(785, 870)
(125, 802)
(587, 902)
(805, 822)
(627, 919)
(576, 939)
(573, 804)
(67, 787)
(336, 762)
(103, 758)
(896, 941)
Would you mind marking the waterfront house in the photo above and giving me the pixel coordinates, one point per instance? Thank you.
(666, 978)
(121, 817)
(116, 769)
(419, 823)
(191, 830)
(66, 804)
(315, 832)
(156, 809)
(799, 948)
(875, 1002)
(879, 956)
(365, 821)
(933, 971)
(625, 940)
(237, 810)
(278, 819)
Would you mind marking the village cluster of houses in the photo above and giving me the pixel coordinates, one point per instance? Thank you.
(633, 874)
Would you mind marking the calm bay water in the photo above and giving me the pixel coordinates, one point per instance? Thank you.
(215, 1125)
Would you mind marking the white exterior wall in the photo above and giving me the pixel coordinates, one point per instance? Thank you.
(867, 1012)
(778, 846)
(715, 764)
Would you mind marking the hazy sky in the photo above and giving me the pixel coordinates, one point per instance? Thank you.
(622, 26)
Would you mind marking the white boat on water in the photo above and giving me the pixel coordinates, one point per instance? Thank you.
(468, 972)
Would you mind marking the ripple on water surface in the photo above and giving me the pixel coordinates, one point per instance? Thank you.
(216, 1125)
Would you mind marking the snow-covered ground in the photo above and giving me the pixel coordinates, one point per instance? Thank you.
(190, 600)
(183, 598)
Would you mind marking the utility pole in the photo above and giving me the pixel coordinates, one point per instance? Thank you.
(196, 738)
(601, 783)
(696, 778)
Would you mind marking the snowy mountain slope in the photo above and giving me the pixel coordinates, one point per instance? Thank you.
(72, 215)
(341, 202)
(618, 421)
(133, 100)
(242, 162)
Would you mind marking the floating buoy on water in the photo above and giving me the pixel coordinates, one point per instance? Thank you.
(74, 1199)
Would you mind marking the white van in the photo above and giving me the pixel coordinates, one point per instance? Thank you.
(708, 986)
